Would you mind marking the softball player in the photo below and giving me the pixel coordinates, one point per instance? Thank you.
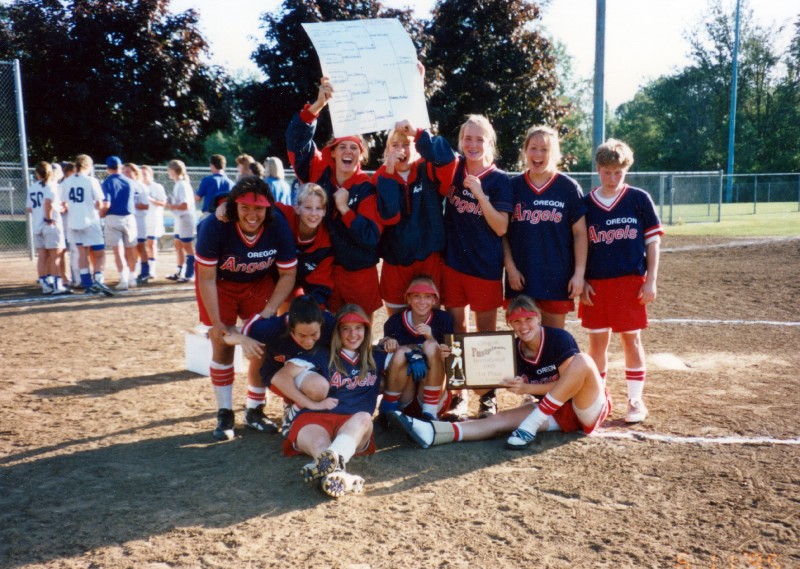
(313, 241)
(181, 204)
(141, 205)
(550, 366)
(45, 207)
(546, 244)
(415, 375)
(476, 211)
(410, 191)
(84, 199)
(353, 220)
(338, 427)
(120, 225)
(245, 266)
(622, 269)
(154, 222)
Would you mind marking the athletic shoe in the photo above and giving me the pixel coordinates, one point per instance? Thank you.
(324, 464)
(46, 288)
(121, 285)
(132, 283)
(224, 430)
(289, 413)
(637, 411)
(488, 405)
(98, 287)
(256, 420)
(92, 291)
(173, 277)
(459, 408)
(338, 483)
(145, 279)
(185, 280)
(420, 432)
(61, 290)
(520, 440)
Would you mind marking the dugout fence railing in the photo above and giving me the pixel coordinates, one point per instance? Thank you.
(680, 197)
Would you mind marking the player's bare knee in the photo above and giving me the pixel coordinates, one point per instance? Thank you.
(431, 349)
(314, 386)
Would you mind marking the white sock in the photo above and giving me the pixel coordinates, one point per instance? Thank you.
(224, 395)
(253, 402)
(534, 421)
(344, 446)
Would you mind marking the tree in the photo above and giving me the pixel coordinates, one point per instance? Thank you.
(680, 121)
(121, 76)
(485, 59)
(291, 66)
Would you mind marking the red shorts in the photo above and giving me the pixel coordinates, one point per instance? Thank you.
(331, 422)
(616, 305)
(237, 299)
(356, 287)
(460, 290)
(550, 306)
(395, 278)
(568, 421)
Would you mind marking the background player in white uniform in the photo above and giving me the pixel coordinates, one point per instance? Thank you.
(69, 272)
(45, 208)
(622, 268)
(84, 200)
(141, 204)
(120, 225)
(181, 204)
(155, 218)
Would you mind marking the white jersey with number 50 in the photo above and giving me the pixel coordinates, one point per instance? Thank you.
(81, 192)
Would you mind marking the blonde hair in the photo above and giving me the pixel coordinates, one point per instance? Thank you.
(483, 123)
(245, 159)
(396, 134)
(614, 152)
(179, 168)
(84, 163)
(550, 137)
(366, 361)
(135, 170)
(310, 190)
(274, 167)
(524, 302)
(44, 172)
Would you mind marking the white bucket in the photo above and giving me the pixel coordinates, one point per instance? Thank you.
(198, 353)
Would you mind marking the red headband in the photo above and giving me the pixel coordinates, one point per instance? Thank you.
(422, 288)
(357, 140)
(252, 198)
(520, 313)
(353, 318)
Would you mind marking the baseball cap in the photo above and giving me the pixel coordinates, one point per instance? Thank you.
(252, 198)
(113, 162)
(354, 318)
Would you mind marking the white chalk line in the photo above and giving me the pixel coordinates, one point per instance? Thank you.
(674, 439)
(742, 243)
(139, 291)
(722, 322)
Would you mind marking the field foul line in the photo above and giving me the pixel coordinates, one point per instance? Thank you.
(81, 296)
(722, 322)
(744, 243)
(639, 436)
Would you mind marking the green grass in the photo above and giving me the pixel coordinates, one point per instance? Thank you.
(12, 234)
(739, 225)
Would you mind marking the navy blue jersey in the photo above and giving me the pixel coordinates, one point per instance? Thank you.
(473, 248)
(354, 236)
(415, 205)
(212, 189)
(398, 326)
(355, 394)
(279, 346)
(556, 347)
(618, 233)
(118, 191)
(540, 235)
(239, 258)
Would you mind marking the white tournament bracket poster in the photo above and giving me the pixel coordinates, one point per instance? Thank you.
(372, 66)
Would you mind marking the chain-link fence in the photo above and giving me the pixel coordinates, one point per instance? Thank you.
(13, 229)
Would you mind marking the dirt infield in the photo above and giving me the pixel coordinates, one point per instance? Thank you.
(106, 456)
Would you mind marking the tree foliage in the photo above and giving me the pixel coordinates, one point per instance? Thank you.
(680, 121)
(290, 64)
(120, 76)
(488, 60)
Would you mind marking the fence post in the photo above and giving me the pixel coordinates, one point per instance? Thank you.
(23, 147)
(719, 204)
(708, 197)
(671, 199)
(661, 196)
(755, 194)
(798, 192)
